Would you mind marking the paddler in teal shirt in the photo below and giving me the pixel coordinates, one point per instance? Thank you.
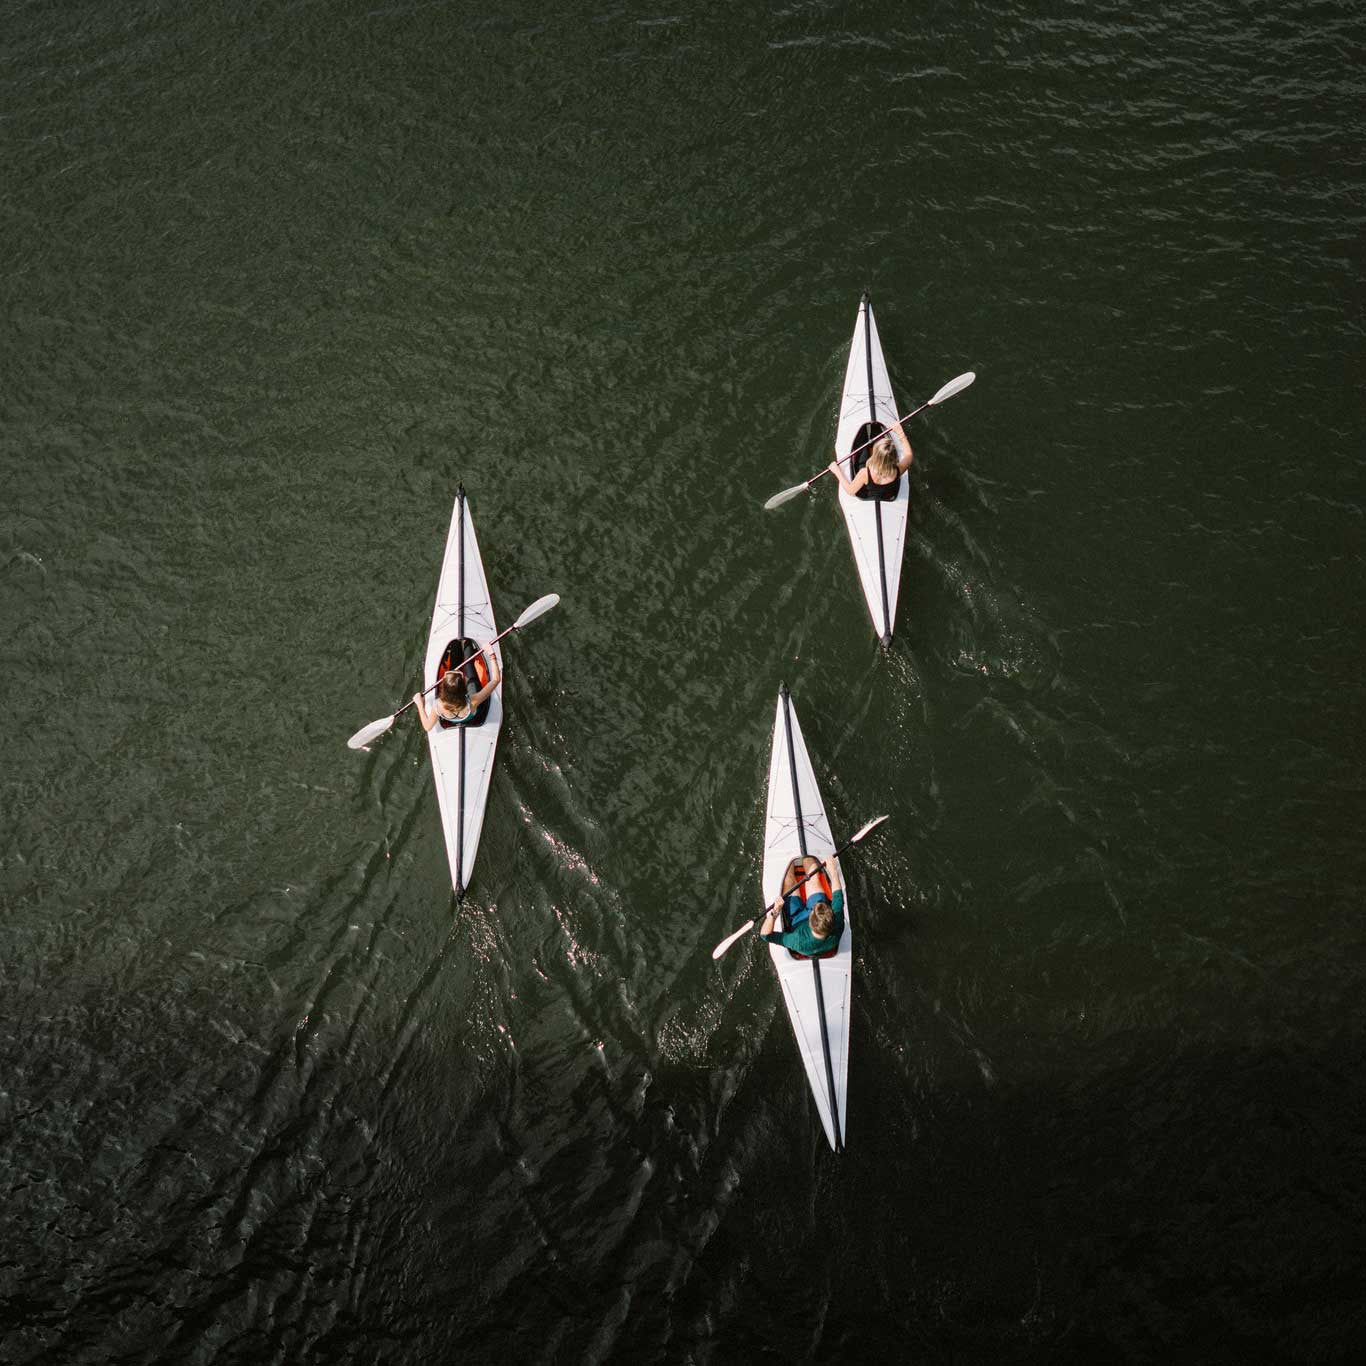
(818, 932)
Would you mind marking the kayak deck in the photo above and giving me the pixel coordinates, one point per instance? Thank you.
(877, 529)
(814, 989)
(462, 756)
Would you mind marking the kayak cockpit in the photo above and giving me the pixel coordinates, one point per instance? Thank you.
(871, 492)
(819, 885)
(476, 673)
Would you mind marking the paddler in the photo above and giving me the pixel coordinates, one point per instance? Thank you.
(889, 459)
(820, 931)
(453, 702)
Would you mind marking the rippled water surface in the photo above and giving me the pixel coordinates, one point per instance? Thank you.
(277, 277)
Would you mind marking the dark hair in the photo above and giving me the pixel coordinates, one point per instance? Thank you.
(454, 689)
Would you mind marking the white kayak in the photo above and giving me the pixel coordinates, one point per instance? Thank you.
(462, 755)
(816, 991)
(877, 528)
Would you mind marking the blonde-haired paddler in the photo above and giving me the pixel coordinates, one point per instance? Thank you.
(889, 459)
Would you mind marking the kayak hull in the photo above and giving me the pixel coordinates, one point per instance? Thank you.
(795, 823)
(877, 529)
(462, 756)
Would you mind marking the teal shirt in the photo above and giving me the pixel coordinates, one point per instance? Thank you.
(802, 941)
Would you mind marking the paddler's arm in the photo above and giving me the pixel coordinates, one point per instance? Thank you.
(766, 930)
(850, 486)
(428, 718)
(903, 445)
(495, 677)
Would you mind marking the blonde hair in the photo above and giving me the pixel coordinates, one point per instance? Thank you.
(884, 460)
(822, 919)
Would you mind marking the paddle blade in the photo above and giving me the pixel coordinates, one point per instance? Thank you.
(954, 386)
(371, 732)
(867, 829)
(727, 942)
(785, 496)
(537, 609)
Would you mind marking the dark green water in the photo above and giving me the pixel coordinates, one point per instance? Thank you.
(276, 278)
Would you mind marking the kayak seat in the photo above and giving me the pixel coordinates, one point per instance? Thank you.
(818, 883)
(477, 671)
(874, 493)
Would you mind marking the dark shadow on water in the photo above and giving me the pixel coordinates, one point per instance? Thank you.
(561, 1202)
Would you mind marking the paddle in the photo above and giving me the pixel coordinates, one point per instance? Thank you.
(844, 848)
(377, 728)
(954, 386)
